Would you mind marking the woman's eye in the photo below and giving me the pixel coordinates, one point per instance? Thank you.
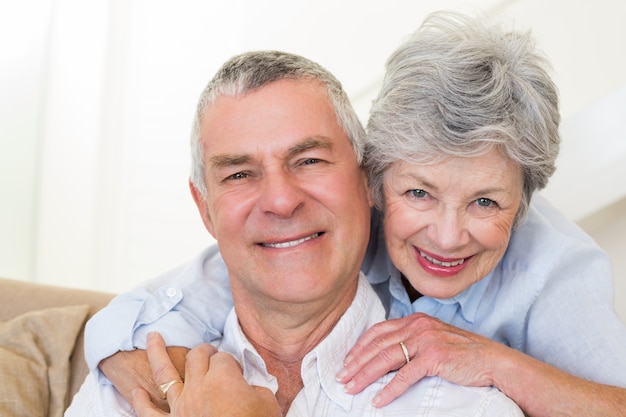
(418, 193)
(486, 202)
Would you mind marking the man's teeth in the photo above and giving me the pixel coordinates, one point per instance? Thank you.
(291, 243)
(439, 263)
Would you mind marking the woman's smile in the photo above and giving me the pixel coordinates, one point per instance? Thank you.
(440, 267)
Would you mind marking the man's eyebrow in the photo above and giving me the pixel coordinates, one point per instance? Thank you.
(221, 161)
(311, 143)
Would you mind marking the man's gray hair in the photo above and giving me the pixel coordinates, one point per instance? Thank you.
(252, 70)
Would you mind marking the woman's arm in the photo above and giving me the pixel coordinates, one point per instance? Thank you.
(175, 305)
(465, 358)
(543, 390)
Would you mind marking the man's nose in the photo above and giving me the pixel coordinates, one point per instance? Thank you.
(281, 194)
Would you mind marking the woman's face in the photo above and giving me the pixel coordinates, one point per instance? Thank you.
(448, 224)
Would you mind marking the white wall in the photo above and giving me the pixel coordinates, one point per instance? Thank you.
(23, 52)
(97, 100)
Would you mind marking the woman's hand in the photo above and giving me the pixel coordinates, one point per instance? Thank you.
(214, 386)
(434, 348)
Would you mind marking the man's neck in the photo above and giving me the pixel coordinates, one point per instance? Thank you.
(284, 333)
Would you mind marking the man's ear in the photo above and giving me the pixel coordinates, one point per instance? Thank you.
(203, 208)
(370, 196)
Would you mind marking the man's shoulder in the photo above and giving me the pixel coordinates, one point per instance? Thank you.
(443, 398)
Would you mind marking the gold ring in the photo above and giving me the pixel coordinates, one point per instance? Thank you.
(406, 352)
(165, 387)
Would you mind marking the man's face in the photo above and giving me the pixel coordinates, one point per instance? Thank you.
(287, 201)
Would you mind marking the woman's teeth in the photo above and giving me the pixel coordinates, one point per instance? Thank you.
(439, 263)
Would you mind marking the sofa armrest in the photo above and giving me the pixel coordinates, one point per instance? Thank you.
(19, 297)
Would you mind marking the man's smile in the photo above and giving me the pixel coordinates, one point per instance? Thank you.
(291, 243)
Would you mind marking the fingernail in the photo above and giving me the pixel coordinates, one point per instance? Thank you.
(347, 360)
(376, 401)
(348, 387)
(342, 374)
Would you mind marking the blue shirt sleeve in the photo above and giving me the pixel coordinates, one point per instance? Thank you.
(188, 306)
(561, 285)
(572, 323)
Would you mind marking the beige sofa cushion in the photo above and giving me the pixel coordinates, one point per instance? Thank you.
(20, 297)
(35, 350)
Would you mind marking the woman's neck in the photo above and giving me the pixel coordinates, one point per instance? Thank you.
(412, 292)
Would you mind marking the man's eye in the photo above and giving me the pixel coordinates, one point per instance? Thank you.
(486, 202)
(417, 193)
(238, 176)
(311, 161)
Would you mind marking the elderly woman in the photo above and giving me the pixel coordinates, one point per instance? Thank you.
(463, 133)
(488, 286)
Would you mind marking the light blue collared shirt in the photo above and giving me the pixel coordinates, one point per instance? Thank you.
(322, 395)
(551, 296)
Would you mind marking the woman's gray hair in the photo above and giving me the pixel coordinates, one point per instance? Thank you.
(252, 70)
(461, 87)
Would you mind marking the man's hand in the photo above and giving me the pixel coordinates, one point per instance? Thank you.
(130, 370)
(214, 386)
(435, 348)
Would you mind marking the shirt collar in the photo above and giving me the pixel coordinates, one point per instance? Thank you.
(319, 366)
(327, 357)
(235, 342)
(468, 301)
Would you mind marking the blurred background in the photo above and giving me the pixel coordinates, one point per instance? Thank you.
(97, 98)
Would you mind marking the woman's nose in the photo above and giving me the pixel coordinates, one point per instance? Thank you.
(448, 230)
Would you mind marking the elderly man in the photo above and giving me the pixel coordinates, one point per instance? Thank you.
(278, 182)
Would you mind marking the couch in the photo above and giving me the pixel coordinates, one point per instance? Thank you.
(42, 362)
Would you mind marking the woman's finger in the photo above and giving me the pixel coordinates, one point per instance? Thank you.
(378, 351)
(406, 376)
(371, 341)
(389, 359)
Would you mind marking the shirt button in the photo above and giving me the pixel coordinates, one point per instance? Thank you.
(171, 292)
